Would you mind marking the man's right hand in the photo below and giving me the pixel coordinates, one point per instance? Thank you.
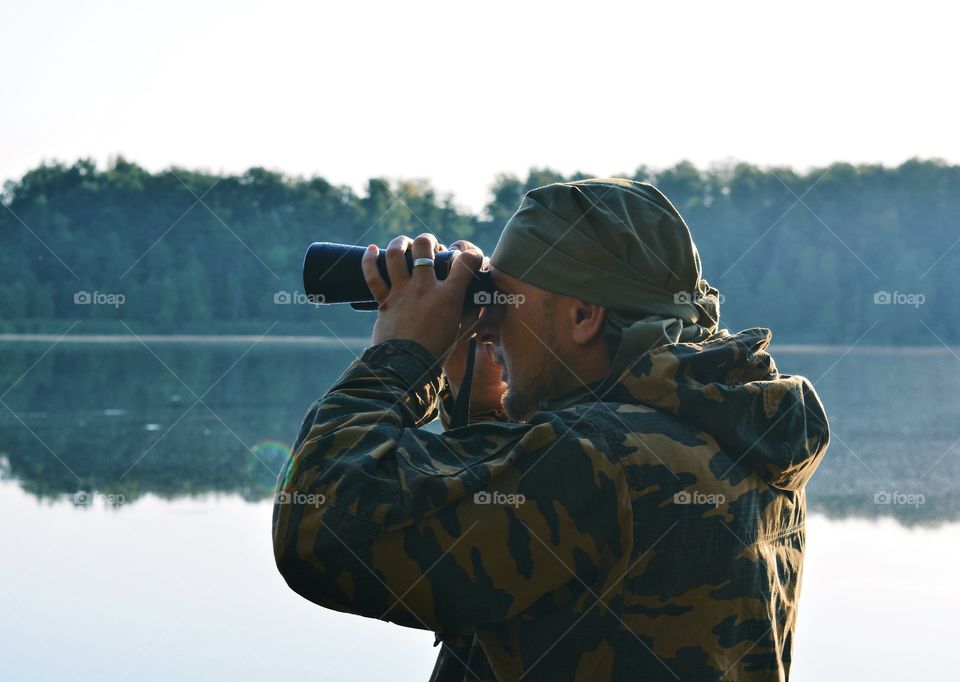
(416, 305)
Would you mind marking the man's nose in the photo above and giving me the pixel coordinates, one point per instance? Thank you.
(489, 324)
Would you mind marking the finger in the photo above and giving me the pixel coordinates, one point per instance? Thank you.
(397, 260)
(463, 245)
(463, 266)
(371, 273)
(424, 246)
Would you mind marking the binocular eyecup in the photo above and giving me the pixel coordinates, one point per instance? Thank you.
(332, 274)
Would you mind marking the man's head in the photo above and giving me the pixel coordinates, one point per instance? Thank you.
(547, 343)
(591, 273)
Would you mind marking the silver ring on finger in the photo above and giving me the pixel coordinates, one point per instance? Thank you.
(423, 262)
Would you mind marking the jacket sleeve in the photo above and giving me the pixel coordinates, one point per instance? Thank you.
(378, 517)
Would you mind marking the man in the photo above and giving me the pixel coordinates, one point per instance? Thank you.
(636, 514)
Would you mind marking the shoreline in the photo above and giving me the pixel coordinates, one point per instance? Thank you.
(362, 342)
(350, 341)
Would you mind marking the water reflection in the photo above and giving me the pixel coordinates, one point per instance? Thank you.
(189, 420)
(116, 422)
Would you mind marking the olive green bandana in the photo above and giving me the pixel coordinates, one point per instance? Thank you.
(616, 243)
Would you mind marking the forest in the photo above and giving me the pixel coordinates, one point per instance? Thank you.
(833, 255)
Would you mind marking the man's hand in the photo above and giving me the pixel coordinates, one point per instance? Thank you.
(417, 306)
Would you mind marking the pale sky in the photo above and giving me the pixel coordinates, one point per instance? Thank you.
(458, 92)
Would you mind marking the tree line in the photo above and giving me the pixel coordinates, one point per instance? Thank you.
(830, 255)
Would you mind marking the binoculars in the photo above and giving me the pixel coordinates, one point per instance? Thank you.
(332, 274)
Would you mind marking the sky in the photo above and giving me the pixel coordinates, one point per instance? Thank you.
(456, 93)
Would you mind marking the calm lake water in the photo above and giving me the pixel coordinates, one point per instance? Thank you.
(136, 498)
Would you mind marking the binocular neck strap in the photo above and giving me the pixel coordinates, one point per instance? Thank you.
(461, 407)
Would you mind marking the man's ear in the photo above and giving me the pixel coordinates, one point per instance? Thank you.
(587, 321)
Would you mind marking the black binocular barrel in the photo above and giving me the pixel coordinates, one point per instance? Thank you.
(332, 274)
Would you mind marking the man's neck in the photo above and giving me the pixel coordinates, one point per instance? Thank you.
(582, 392)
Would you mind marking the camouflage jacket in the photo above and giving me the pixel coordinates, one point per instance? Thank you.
(655, 532)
